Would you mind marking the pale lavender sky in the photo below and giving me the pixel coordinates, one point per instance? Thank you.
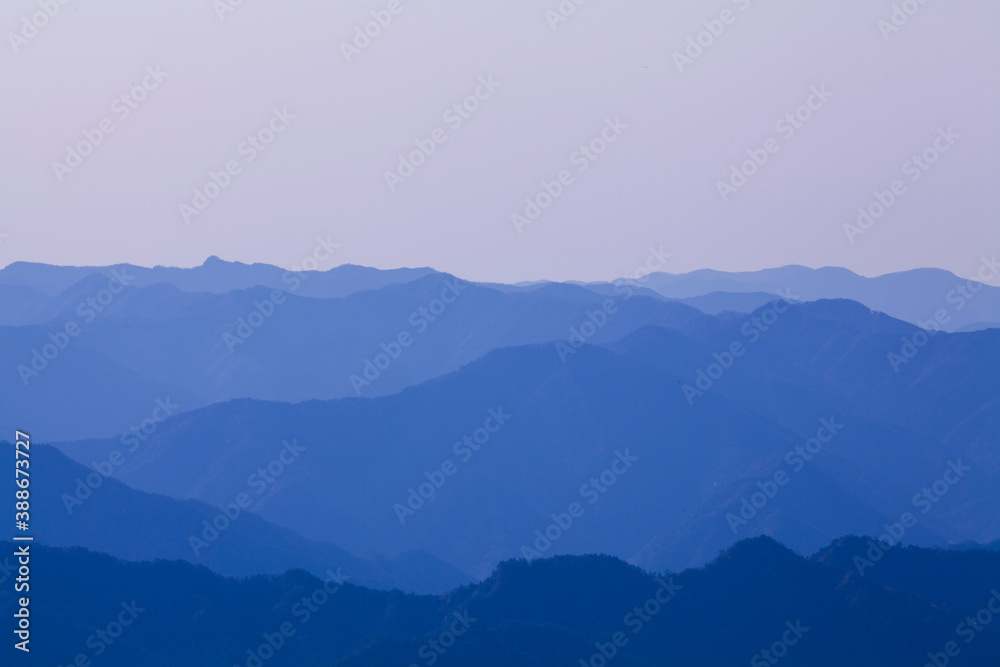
(655, 185)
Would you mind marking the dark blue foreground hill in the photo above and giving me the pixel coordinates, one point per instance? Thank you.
(757, 596)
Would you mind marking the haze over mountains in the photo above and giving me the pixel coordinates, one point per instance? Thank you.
(73, 507)
(895, 435)
(410, 431)
(913, 296)
(155, 339)
(421, 433)
(199, 348)
(581, 377)
(370, 351)
(214, 276)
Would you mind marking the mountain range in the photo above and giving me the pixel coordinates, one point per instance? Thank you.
(218, 440)
(77, 506)
(755, 603)
(569, 415)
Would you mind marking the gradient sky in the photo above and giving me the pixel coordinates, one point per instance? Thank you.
(656, 185)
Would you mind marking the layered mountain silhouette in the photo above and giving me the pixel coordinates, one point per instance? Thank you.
(77, 506)
(757, 597)
(209, 334)
(215, 276)
(200, 348)
(460, 450)
(699, 455)
(914, 296)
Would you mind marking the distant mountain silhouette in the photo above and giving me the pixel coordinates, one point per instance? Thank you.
(913, 296)
(900, 428)
(715, 303)
(215, 276)
(75, 506)
(567, 424)
(198, 348)
(699, 459)
(183, 333)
